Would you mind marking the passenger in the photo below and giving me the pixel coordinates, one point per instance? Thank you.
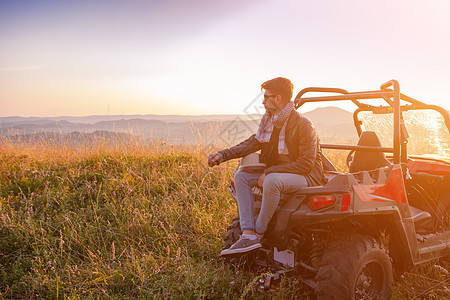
(289, 147)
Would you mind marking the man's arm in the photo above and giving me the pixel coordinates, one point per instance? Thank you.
(248, 146)
(307, 154)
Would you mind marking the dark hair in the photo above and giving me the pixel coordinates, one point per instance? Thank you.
(280, 86)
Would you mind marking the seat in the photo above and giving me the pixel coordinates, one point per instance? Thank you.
(420, 217)
(366, 160)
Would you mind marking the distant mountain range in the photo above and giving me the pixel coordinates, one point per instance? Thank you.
(332, 124)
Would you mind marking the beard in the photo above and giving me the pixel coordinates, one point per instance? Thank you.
(269, 111)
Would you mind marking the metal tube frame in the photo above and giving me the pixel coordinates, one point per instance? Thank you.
(390, 93)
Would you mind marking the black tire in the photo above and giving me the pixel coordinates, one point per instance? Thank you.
(354, 267)
(233, 233)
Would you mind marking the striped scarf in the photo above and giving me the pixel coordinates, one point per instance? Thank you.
(266, 127)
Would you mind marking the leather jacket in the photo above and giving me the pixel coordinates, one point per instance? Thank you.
(302, 141)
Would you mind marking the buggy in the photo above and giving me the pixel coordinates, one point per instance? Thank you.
(389, 212)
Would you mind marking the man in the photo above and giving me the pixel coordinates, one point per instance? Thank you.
(289, 147)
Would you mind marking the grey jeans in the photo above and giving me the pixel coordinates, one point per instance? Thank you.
(274, 185)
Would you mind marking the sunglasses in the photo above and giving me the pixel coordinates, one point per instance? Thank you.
(267, 97)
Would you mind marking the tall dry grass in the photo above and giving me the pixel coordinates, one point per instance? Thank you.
(128, 220)
(132, 221)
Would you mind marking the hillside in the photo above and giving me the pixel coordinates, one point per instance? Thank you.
(76, 138)
(332, 124)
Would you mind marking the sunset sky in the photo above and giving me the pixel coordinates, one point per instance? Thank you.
(207, 57)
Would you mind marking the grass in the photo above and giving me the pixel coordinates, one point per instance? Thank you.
(130, 221)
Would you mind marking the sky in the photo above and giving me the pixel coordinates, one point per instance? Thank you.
(77, 58)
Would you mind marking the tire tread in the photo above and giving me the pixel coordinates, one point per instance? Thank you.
(338, 265)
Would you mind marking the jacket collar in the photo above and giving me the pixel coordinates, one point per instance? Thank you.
(291, 120)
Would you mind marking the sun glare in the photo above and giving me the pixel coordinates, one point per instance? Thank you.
(428, 134)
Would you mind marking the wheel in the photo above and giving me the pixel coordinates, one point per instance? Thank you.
(354, 267)
(233, 233)
(349, 158)
(231, 237)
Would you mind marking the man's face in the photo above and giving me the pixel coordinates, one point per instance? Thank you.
(272, 103)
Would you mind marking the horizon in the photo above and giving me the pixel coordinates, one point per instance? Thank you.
(162, 115)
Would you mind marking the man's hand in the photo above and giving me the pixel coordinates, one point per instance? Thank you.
(214, 159)
(261, 180)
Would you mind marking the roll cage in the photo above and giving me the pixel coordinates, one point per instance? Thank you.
(390, 93)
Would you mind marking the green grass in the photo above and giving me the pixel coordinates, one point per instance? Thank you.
(130, 221)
